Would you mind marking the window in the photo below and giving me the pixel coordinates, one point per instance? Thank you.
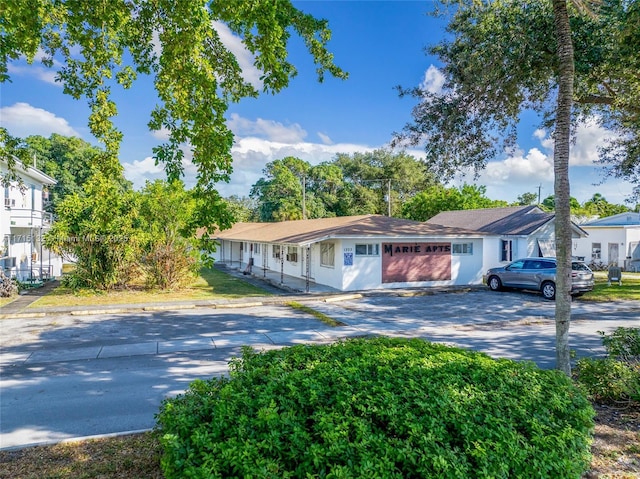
(506, 252)
(368, 249)
(292, 254)
(256, 248)
(596, 251)
(327, 254)
(275, 251)
(462, 248)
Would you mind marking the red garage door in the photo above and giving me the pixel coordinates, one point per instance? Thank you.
(407, 262)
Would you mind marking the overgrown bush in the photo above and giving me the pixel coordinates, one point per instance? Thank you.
(386, 408)
(615, 378)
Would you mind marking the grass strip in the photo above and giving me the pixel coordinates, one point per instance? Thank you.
(317, 314)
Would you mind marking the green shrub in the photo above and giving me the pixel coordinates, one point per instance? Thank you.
(617, 377)
(377, 408)
(609, 380)
(623, 344)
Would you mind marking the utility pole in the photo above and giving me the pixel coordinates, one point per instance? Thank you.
(539, 188)
(389, 197)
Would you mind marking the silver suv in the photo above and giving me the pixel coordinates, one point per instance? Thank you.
(539, 274)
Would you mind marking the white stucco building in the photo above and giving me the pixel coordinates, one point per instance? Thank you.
(511, 232)
(612, 240)
(368, 252)
(356, 252)
(23, 222)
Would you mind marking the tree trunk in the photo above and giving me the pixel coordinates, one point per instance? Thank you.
(562, 139)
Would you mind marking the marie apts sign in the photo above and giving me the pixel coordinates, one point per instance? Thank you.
(409, 262)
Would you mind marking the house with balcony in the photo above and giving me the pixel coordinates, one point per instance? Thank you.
(23, 223)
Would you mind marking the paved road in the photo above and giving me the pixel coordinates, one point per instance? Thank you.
(68, 376)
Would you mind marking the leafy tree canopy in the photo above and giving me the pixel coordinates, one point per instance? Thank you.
(500, 59)
(242, 208)
(100, 228)
(349, 185)
(438, 198)
(105, 44)
(70, 161)
(280, 192)
(597, 205)
(526, 199)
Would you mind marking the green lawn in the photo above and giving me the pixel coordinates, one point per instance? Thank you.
(215, 284)
(211, 284)
(630, 289)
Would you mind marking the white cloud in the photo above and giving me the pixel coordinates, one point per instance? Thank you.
(433, 80)
(244, 57)
(590, 136)
(41, 73)
(22, 68)
(139, 171)
(251, 154)
(266, 129)
(22, 120)
(161, 134)
(522, 172)
(325, 139)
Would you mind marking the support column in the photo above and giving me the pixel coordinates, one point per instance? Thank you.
(307, 266)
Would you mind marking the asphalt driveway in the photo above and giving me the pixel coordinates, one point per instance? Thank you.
(67, 376)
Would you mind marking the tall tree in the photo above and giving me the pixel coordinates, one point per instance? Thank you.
(526, 199)
(281, 193)
(382, 179)
(430, 202)
(504, 57)
(169, 255)
(242, 209)
(70, 160)
(99, 228)
(105, 44)
(598, 205)
(562, 142)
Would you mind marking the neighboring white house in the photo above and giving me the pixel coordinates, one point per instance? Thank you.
(612, 240)
(356, 252)
(23, 221)
(510, 233)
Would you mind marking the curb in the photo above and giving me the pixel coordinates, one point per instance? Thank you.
(53, 442)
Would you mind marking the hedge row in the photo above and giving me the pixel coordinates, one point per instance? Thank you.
(377, 408)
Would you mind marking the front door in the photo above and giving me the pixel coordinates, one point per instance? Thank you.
(613, 253)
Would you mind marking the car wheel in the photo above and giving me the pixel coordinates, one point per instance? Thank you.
(494, 283)
(549, 290)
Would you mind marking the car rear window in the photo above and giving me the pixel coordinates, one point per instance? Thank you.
(579, 267)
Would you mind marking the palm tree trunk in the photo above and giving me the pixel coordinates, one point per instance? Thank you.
(562, 139)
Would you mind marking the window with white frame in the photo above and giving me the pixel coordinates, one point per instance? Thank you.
(327, 255)
(596, 251)
(506, 250)
(256, 248)
(462, 248)
(292, 254)
(368, 249)
(275, 251)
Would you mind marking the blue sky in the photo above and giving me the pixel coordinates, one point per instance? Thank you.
(381, 45)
